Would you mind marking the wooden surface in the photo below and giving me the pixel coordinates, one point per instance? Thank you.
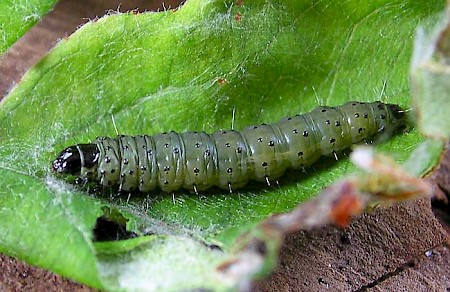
(403, 248)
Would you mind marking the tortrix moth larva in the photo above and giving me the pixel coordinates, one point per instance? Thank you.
(227, 159)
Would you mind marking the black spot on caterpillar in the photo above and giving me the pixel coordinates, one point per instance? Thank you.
(227, 159)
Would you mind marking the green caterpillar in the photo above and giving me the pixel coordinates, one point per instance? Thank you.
(227, 159)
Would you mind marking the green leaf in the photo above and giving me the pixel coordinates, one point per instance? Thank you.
(431, 80)
(17, 16)
(424, 157)
(209, 65)
(161, 265)
(47, 226)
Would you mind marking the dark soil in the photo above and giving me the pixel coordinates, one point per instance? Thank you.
(402, 248)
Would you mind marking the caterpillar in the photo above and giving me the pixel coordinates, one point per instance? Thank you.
(226, 159)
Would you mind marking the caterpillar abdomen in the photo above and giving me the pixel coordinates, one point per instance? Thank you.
(227, 159)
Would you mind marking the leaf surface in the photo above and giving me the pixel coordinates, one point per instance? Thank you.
(16, 17)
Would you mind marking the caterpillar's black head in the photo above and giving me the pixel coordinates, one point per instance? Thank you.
(80, 161)
(68, 161)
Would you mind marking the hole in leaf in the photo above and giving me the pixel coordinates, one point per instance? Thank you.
(111, 226)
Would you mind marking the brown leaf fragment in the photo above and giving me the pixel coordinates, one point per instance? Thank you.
(385, 183)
